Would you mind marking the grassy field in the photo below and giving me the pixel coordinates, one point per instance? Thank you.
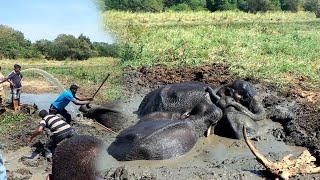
(85, 73)
(8, 121)
(276, 46)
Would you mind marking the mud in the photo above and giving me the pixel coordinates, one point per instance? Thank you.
(26, 161)
(293, 122)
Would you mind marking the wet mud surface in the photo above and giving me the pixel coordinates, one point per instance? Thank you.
(292, 125)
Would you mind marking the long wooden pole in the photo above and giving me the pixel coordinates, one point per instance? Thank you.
(101, 85)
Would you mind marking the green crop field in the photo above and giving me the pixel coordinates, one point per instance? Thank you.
(277, 46)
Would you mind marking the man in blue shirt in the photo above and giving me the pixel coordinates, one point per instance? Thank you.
(67, 96)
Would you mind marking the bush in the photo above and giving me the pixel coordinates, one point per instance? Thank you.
(135, 5)
(311, 5)
(221, 5)
(105, 49)
(180, 7)
(243, 5)
(290, 5)
(263, 5)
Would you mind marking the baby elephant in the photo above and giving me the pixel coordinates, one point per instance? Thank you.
(241, 106)
(105, 115)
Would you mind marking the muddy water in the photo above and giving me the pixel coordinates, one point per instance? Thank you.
(13, 163)
(43, 101)
(211, 158)
(224, 156)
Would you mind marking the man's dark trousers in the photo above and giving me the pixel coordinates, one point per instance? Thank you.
(64, 113)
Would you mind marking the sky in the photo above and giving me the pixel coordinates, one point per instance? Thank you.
(45, 19)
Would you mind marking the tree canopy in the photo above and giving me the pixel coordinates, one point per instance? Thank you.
(212, 5)
(13, 45)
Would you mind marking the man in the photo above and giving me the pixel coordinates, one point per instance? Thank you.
(60, 129)
(1, 89)
(76, 158)
(58, 106)
(14, 78)
(3, 174)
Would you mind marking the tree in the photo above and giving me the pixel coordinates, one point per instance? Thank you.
(290, 5)
(13, 44)
(68, 46)
(84, 48)
(221, 5)
(44, 47)
(180, 5)
(243, 5)
(135, 5)
(311, 5)
(263, 5)
(105, 49)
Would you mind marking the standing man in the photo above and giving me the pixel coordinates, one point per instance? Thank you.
(58, 106)
(14, 78)
(60, 129)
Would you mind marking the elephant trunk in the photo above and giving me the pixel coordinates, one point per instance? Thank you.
(213, 93)
(258, 109)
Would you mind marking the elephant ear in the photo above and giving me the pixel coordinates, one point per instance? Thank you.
(160, 139)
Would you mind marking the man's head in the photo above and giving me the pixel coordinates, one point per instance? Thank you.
(75, 158)
(74, 88)
(43, 113)
(17, 68)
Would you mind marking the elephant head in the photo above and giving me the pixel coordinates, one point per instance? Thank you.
(241, 106)
(105, 115)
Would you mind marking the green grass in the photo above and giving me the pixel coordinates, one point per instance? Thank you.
(275, 46)
(9, 120)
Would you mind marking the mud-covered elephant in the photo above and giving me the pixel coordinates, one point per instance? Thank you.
(107, 115)
(172, 118)
(241, 107)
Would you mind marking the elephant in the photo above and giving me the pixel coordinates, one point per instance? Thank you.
(241, 106)
(107, 115)
(175, 116)
(172, 118)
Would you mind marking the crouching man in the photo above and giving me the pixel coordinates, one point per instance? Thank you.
(60, 129)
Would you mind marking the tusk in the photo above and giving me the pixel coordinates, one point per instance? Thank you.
(209, 130)
(260, 157)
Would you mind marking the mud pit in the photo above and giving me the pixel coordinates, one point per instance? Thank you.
(212, 158)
